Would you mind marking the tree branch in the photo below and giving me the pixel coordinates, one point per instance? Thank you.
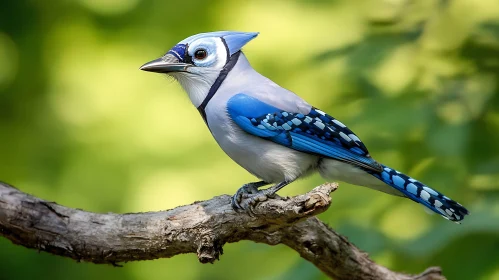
(202, 228)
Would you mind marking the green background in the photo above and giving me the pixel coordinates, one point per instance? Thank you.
(418, 81)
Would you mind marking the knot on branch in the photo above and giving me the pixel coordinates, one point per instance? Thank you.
(319, 198)
(209, 249)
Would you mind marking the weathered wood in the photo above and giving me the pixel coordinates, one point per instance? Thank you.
(202, 228)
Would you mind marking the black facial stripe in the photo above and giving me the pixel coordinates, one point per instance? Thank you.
(231, 62)
(187, 57)
(226, 49)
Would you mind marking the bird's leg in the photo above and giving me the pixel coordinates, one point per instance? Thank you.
(250, 199)
(244, 191)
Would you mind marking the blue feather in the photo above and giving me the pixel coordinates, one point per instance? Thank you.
(419, 192)
(315, 133)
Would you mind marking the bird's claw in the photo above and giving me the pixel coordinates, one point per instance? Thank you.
(246, 198)
(241, 194)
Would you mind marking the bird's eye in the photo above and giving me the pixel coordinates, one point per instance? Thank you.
(200, 54)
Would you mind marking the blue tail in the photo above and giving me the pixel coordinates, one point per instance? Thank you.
(423, 194)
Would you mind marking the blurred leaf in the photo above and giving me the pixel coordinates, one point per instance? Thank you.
(301, 270)
(442, 235)
(369, 240)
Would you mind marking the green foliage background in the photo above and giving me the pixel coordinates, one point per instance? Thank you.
(418, 81)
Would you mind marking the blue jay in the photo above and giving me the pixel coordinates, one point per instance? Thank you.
(273, 133)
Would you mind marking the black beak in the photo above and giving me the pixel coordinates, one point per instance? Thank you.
(166, 64)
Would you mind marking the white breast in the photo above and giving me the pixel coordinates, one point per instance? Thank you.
(266, 160)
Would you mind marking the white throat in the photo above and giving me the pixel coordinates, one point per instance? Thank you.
(197, 85)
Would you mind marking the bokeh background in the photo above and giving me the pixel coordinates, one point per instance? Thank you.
(418, 81)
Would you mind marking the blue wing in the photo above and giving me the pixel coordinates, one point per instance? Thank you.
(316, 132)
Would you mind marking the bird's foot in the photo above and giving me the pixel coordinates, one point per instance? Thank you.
(245, 191)
(249, 201)
(248, 196)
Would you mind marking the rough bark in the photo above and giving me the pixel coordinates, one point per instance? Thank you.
(202, 228)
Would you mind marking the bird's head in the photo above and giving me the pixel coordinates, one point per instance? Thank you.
(196, 62)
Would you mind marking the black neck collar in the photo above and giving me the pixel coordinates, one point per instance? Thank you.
(218, 82)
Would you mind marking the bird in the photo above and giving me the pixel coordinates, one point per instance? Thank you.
(273, 133)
